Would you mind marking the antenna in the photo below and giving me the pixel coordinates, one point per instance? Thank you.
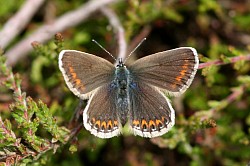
(135, 49)
(93, 40)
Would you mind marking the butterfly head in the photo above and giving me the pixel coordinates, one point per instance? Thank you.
(120, 63)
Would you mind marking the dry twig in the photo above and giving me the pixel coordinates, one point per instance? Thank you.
(17, 23)
(45, 32)
(221, 62)
(119, 30)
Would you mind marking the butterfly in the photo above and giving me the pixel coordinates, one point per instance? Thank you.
(133, 94)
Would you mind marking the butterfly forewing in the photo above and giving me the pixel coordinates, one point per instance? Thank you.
(171, 71)
(151, 113)
(84, 72)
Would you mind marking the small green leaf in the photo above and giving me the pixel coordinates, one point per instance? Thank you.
(73, 148)
(213, 103)
(171, 14)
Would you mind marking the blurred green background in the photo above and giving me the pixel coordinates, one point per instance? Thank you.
(212, 117)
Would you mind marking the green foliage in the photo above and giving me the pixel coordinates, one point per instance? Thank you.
(28, 116)
(141, 14)
(9, 7)
(242, 20)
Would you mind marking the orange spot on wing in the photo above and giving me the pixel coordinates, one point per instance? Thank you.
(136, 122)
(71, 69)
(185, 66)
(110, 124)
(151, 123)
(182, 73)
(178, 78)
(77, 81)
(72, 72)
(98, 123)
(92, 120)
(144, 122)
(115, 123)
(73, 75)
(104, 124)
(157, 121)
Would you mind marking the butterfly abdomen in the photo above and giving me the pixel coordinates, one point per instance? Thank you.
(121, 79)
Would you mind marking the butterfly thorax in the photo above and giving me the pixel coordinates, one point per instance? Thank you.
(121, 81)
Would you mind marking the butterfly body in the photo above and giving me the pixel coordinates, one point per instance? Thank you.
(133, 94)
(121, 85)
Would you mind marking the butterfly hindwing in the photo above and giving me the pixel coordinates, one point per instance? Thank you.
(100, 116)
(151, 113)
